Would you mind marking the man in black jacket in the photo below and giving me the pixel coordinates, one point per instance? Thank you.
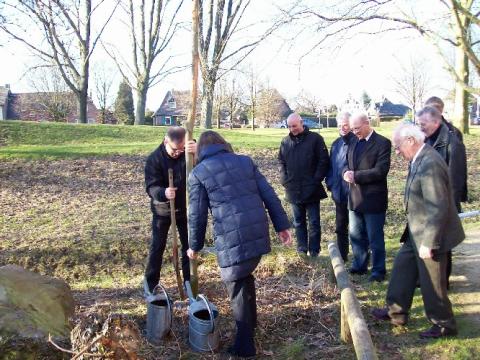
(438, 104)
(304, 163)
(368, 165)
(452, 150)
(169, 155)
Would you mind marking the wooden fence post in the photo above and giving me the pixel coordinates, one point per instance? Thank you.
(353, 325)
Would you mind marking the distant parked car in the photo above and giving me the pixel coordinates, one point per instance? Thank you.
(312, 124)
(279, 124)
(476, 121)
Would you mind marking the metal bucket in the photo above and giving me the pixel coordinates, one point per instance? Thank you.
(159, 315)
(202, 323)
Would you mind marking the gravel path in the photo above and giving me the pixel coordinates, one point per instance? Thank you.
(466, 275)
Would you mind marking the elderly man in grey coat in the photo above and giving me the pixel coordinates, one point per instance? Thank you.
(433, 228)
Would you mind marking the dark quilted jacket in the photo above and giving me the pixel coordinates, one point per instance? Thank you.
(237, 194)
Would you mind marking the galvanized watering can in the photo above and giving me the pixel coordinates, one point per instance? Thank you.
(159, 315)
(202, 323)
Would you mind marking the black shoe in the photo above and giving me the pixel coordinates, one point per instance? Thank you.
(313, 254)
(232, 351)
(436, 332)
(376, 278)
(357, 272)
(381, 314)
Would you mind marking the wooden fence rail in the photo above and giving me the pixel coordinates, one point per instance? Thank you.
(353, 327)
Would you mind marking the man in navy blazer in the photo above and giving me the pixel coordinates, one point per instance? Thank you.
(368, 165)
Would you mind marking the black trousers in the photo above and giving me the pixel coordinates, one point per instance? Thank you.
(341, 228)
(244, 307)
(160, 227)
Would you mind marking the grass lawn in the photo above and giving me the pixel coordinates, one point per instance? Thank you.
(73, 206)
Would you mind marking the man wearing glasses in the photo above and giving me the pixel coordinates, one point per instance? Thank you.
(368, 165)
(169, 155)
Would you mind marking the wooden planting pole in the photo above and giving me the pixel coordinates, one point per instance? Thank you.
(191, 123)
(353, 327)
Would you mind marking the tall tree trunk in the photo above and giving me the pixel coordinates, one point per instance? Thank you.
(141, 104)
(82, 107)
(207, 104)
(219, 115)
(84, 45)
(461, 113)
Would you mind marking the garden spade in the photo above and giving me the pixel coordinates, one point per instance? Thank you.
(173, 226)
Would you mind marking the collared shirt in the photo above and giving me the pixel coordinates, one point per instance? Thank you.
(369, 135)
(416, 154)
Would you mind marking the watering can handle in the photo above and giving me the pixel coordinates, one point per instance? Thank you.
(210, 312)
(167, 298)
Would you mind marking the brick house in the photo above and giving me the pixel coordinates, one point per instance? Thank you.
(43, 106)
(174, 108)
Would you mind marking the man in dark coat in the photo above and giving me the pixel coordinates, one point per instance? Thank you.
(433, 228)
(438, 104)
(169, 155)
(452, 151)
(368, 165)
(237, 194)
(304, 163)
(335, 183)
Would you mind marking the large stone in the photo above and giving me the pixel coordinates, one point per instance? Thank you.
(32, 305)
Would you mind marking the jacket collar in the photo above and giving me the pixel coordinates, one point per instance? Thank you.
(300, 136)
(347, 138)
(442, 138)
(212, 150)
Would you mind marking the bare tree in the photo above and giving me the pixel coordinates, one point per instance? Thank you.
(219, 100)
(269, 106)
(412, 83)
(66, 37)
(103, 78)
(460, 16)
(52, 97)
(224, 19)
(152, 24)
(308, 103)
(232, 100)
(252, 94)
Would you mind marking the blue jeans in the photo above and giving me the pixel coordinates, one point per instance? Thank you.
(366, 231)
(307, 240)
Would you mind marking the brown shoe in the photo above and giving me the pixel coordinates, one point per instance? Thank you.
(436, 332)
(381, 314)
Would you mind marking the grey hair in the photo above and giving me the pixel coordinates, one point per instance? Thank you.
(344, 115)
(404, 131)
(430, 110)
(362, 115)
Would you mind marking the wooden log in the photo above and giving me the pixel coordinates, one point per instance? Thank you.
(345, 334)
(350, 307)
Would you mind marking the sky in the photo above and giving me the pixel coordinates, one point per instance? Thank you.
(364, 63)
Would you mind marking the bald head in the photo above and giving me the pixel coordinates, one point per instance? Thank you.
(295, 124)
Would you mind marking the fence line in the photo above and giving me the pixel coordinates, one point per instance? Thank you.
(353, 327)
(469, 214)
